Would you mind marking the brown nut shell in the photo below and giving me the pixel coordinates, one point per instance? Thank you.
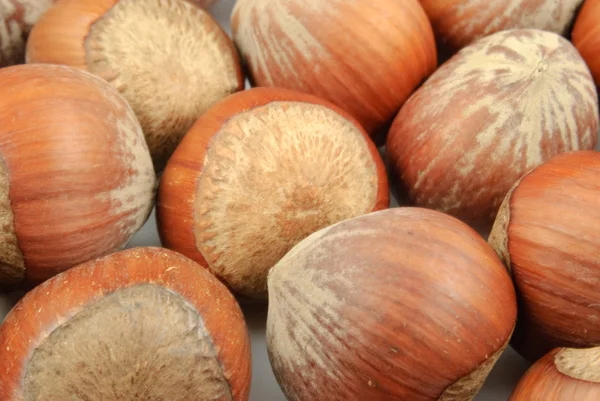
(76, 177)
(400, 304)
(144, 322)
(497, 109)
(586, 36)
(564, 374)
(169, 59)
(366, 56)
(546, 233)
(257, 173)
(458, 23)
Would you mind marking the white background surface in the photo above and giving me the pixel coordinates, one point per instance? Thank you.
(264, 387)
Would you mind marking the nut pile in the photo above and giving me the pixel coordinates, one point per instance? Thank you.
(481, 119)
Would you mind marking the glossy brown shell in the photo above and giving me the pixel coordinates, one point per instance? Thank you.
(186, 213)
(400, 304)
(586, 36)
(497, 109)
(61, 298)
(366, 56)
(546, 234)
(458, 23)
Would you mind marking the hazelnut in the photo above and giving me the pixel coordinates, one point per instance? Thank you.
(259, 172)
(546, 233)
(586, 36)
(169, 59)
(400, 304)
(497, 109)
(76, 177)
(564, 374)
(366, 56)
(458, 23)
(144, 323)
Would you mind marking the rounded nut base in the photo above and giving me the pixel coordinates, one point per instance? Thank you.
(142, 342)
(273, 175)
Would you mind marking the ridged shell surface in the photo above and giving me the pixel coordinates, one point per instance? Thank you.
(497, 109)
